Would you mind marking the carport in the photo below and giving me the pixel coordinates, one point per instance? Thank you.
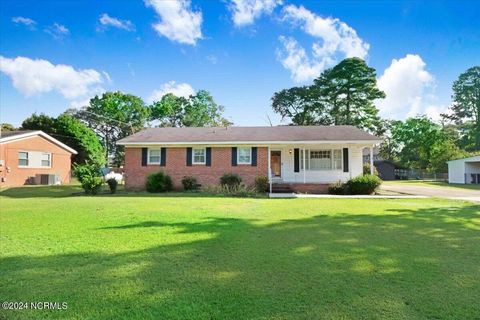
(464, 171)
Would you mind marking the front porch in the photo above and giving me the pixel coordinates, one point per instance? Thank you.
(310, 168)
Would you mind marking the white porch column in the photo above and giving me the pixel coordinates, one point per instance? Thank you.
(304, 168)
(269, 174)
(371, 160)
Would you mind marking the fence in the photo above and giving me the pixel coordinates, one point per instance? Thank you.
(417, 174)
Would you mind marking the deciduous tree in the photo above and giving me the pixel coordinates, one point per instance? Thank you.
(73, 133)
(113, 116)
(198, 110)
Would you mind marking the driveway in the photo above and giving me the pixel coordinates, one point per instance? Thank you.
(440, 192)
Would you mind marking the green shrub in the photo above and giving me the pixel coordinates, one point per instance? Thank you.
(337, 188)
(262, 184)
(112, 184)
(89, 176)
(364, 184)
(88, 169)
(366, 169)
(159, 182)
(230, 180)
(92, 184)
(189, 183)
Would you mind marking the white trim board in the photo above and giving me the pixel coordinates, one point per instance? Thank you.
(27, 135)
(250, 143)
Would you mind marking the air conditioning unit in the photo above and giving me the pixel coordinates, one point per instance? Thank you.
(48, 179)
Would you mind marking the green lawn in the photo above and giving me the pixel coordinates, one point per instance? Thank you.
(426, 183)
(193, 257)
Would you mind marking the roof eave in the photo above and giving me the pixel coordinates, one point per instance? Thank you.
(39, 133)
(145, 143)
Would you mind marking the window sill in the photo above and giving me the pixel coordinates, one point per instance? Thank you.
(30, 167)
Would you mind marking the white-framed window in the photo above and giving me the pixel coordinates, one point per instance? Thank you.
(153, 156)
(337, 159)
(244, 155)
(199, 155)
(322, 159)
(23, 158)
(46, 159)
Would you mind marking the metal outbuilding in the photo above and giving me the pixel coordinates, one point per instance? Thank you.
(464, 171)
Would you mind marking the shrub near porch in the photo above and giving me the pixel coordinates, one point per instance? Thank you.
(177, 257)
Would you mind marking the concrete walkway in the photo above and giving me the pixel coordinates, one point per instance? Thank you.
(331, 196)
(434, 191)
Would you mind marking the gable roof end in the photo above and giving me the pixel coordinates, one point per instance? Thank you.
(10, 136)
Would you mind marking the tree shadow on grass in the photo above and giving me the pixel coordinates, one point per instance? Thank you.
(404, 264)
(41, 191)
(76, 190)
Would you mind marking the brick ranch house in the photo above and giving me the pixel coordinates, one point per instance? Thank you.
(33, 157)
(301, 158)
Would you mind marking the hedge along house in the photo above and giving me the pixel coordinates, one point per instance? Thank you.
(299, 158)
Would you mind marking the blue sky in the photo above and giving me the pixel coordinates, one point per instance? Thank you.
(57, 54)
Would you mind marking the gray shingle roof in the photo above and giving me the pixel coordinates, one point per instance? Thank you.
(5, 134)
(248, 134)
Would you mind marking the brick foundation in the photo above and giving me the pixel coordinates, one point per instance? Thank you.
(176, 168)
(313, 188)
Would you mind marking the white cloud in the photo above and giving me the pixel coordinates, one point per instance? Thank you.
(409, 89)
(246, 11)
(25, 21)
(58, 31)
(179, 90)
(177, 21)
(295, 59)
(37, 76)
(106, 20)
(337, 40)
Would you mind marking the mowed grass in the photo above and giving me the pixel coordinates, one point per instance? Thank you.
(427, 183)
(192, 257)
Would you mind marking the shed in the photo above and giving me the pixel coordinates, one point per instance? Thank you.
(386, 169)
(464, 171)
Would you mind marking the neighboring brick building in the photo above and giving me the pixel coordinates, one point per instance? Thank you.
(304, 158)
(33, 157)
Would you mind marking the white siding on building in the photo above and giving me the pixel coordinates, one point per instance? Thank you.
(459, 171)
(319, 176)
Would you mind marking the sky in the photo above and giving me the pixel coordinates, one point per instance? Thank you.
(56, 55)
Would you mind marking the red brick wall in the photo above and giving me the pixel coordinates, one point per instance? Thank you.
(313, 188)
(12, 175)
(176, 167)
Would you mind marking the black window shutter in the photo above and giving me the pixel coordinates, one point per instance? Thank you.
(189, 156)
(163, 157)
(296, 160)
(254, 156)
(144, 156)
(208, 156)
(234, 156)
(345, 159)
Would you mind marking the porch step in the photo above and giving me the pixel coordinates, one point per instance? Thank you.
(281, 188)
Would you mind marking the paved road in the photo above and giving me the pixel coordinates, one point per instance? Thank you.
(441, 192)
